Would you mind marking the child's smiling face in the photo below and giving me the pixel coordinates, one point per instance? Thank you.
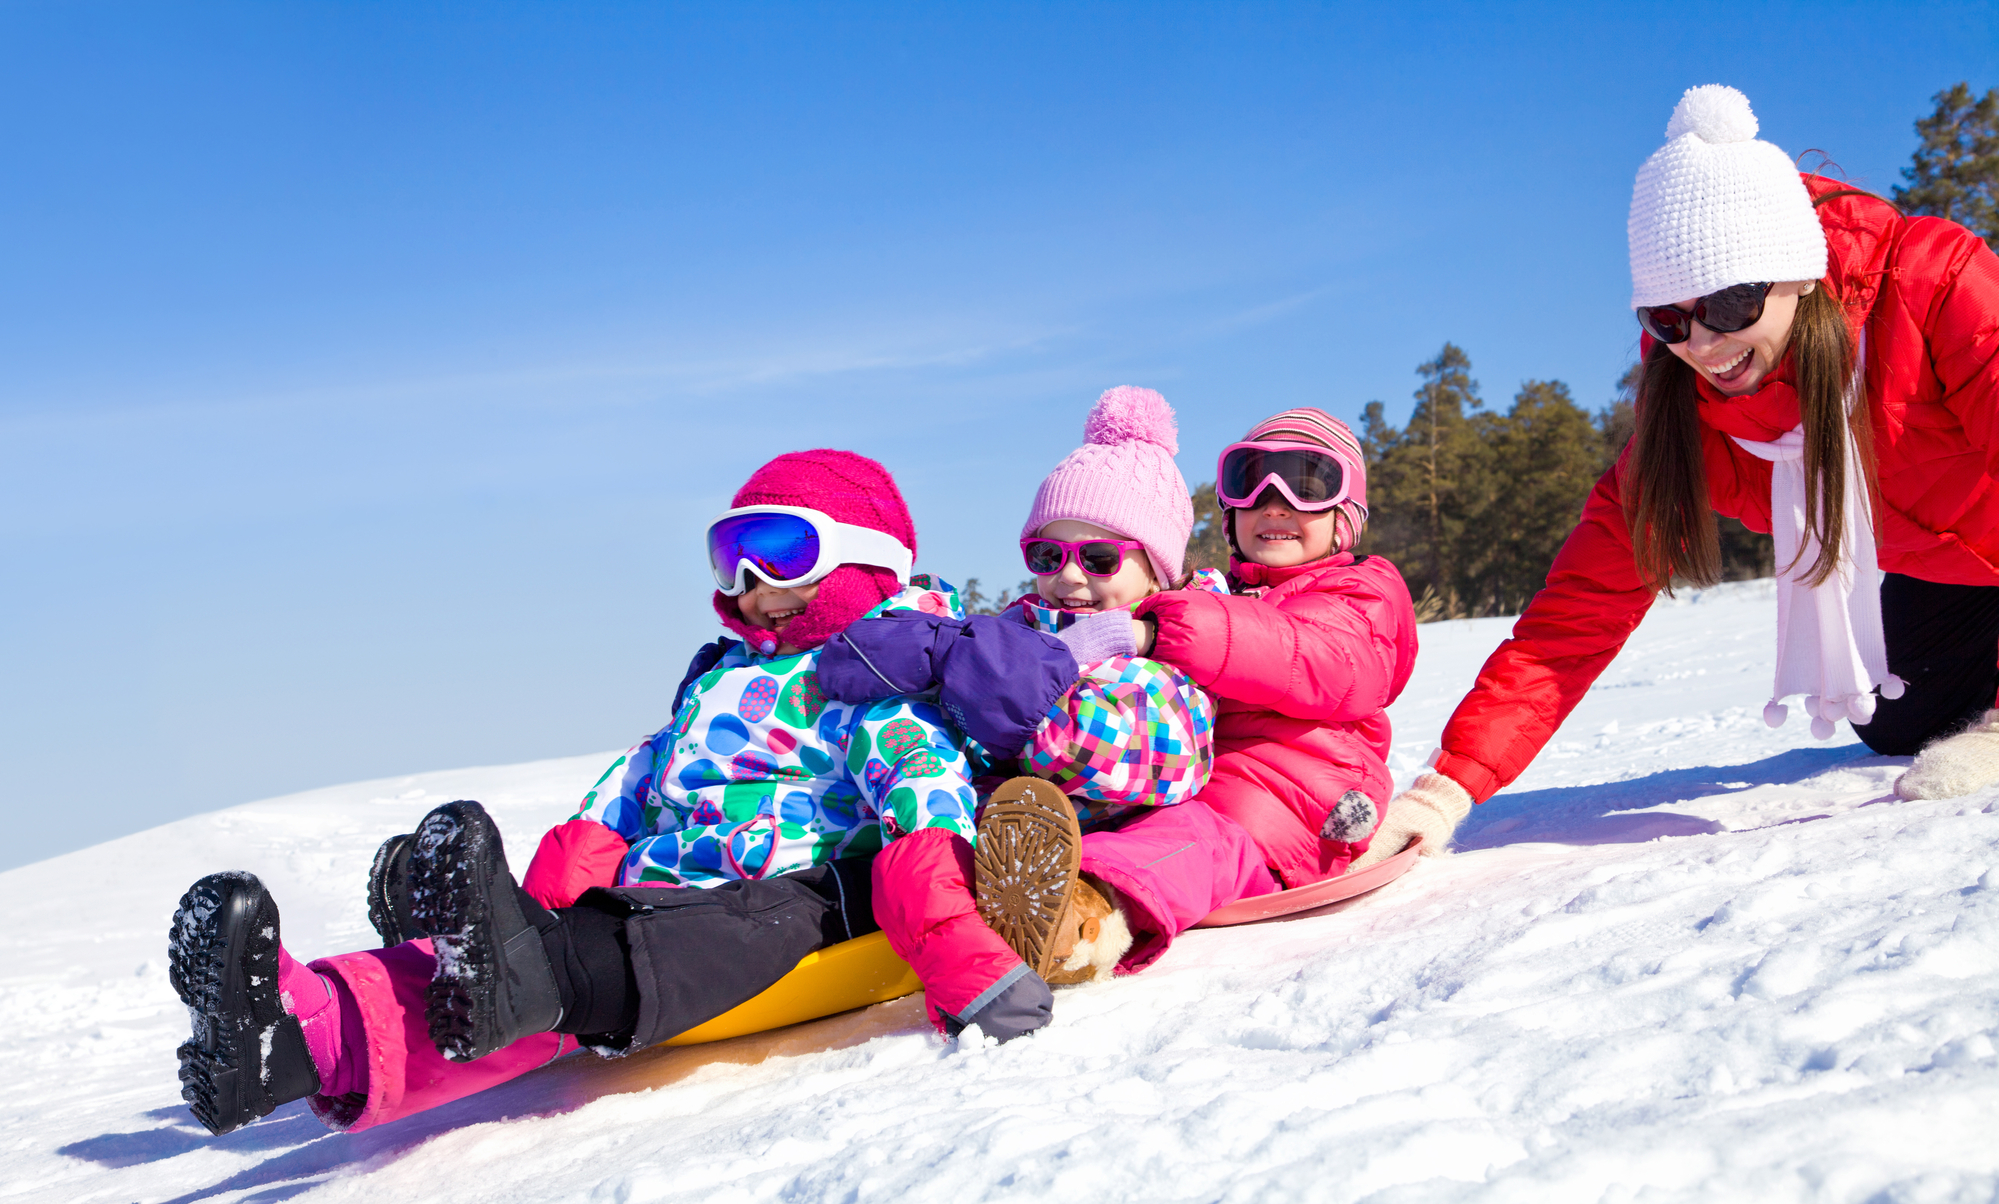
(771, 608)
(1275, 534)
(1074, 590)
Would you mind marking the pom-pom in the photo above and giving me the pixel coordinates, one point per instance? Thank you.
(1893, 687)
(1714, 113)
(1129, 413)
(1774, 713)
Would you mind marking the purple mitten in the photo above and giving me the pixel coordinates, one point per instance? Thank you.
(883, 657)
(996, 679)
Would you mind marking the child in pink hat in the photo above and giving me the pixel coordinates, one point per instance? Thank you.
(1115, 746)
(703, 865)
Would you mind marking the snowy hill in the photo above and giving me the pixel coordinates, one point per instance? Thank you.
(1685, 957)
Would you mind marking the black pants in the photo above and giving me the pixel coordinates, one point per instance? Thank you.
(1944, 641)
(637, 965)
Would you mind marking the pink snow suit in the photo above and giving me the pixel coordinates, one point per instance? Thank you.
(1303, 673)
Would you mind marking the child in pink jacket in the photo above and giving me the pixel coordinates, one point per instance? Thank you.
(1304, 655)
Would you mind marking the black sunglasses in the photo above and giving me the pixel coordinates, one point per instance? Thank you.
(1725, 311)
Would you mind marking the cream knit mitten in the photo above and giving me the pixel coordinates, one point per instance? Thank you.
(1431, 809)
(1956, 764)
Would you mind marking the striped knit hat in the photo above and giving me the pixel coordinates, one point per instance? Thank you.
(1308, 424)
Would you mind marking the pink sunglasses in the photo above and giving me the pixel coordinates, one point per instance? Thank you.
(1096, 557)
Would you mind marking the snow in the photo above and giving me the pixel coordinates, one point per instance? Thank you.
(1687, 956)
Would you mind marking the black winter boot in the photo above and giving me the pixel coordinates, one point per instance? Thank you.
(389, 892)
(493, 984)
(247, 1054)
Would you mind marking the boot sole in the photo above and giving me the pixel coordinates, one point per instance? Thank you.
(247, 1054)
(1030, 851)
(391, 864)
(455, 857)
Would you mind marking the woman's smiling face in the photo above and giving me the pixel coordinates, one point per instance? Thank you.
(1737, 363)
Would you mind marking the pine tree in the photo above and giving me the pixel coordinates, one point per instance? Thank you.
(1387, 525)
(1546, 455)
(975, 601)
(1430, 481)
(1618, 421)
(1955, 171)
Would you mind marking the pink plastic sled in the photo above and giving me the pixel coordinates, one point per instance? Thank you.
(1318, 894)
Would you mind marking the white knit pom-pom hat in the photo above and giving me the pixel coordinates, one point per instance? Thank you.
(1715, 206)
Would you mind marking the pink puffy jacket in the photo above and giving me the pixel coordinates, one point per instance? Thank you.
(1303, 668)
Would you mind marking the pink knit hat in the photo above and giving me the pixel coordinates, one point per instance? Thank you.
(1123, 479)
(1308, 424)
(847, 488)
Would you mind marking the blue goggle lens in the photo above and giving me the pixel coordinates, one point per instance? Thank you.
(780, 547)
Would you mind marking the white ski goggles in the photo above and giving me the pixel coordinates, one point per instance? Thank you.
(790, 545)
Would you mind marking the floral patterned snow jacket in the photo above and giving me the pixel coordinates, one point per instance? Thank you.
(760, 773)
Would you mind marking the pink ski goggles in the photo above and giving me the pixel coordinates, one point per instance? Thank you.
(1310, 477)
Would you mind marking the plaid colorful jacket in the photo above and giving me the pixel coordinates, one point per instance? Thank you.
(1131, 732)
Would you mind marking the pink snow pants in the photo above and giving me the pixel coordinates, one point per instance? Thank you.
(1174, 865)
(406, 1074)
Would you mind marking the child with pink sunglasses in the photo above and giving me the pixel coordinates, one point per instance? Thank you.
(1114, 746)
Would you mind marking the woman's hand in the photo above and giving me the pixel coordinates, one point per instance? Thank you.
(1430, 809)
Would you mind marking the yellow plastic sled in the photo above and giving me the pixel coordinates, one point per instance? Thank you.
(854, 974)
(838, 978)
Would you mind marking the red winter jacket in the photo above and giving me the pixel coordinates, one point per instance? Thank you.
(1928, 292)
(1302, 676)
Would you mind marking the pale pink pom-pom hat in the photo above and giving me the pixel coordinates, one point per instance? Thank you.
(1124, 479)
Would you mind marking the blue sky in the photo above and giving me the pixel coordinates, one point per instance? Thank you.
(370, 370)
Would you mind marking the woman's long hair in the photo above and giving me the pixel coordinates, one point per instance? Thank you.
(1673, 533)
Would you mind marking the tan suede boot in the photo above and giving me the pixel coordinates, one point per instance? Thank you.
(1025, 871)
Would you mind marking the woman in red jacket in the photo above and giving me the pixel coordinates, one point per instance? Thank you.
(1820, 367)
